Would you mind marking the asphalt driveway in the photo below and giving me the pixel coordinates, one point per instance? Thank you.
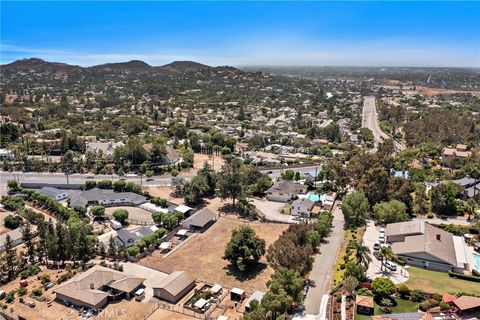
(271, 210)
(369, 238)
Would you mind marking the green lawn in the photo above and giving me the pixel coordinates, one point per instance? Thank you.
(403, 306)
(287, 209)
(439, 282)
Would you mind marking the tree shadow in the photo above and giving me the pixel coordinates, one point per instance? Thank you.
(246, 275)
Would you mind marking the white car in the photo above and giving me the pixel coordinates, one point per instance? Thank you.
(376, 245)
(381, 239)
(391, 265)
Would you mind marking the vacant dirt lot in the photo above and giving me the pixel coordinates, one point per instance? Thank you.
(435, 91)
(201, 257)
(134, 213)
(199, 159)
(164, 193)
(40, 311)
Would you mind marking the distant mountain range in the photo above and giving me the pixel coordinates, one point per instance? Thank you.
(133, 66)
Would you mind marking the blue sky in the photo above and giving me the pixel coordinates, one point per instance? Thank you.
(245, 33)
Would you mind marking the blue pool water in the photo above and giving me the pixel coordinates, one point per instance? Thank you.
(477, 261)
(314, 197)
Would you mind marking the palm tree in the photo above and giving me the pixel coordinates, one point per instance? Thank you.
(470, 206)
(387, 254)
(362, 254)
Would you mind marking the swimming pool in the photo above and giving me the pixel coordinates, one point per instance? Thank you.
(477, 261)
(314, 197)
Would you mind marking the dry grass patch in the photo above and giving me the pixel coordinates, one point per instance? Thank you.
(202, 256)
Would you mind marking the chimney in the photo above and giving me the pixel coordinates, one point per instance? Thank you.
(439, 237)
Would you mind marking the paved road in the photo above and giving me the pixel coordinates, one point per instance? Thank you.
(165, 180)
(370, 121)
(39, 177)
(324, 265)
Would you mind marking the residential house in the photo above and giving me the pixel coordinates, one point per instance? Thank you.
(284, 191)
(97, 286)
(422, 245)
(453, 154)
(129, 237)
(106, 197)
(200, 220)
(302, 208)
(54, 193)
(15, 235)
(106, 148)
(173, 287)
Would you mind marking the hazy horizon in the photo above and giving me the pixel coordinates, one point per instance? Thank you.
(250, 34)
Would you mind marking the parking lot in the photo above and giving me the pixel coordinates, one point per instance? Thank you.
(374, 268)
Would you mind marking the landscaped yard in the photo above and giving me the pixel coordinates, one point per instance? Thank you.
(403, 306)
(439, 282)
(350, 235)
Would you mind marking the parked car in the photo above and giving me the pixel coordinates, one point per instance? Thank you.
(382, 230)
(381, 239)
(90, 177)
(31, 304)
(150, 179)
(305, 288)
(391, 265)
(376, 245)
(377, 255)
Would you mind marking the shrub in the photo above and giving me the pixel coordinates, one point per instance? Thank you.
(444, 306)
(464, 276)
(364, 292)
(386, 309)
(430, 215)
(12, 222)
(10, 297)
(37, 292)
(45, 278)
(386, 302)
(417, 295)
(428, 304)
(437, 297)
(65, 277)
(22, 291)
(30, 271)
(403, 290)
(133, 251)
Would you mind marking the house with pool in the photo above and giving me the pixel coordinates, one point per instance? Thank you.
(423, 245)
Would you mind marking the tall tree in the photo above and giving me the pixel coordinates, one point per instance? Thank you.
(11, 260)
(245, 248)
(27, 237)
(355, 208)
(230, 180)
